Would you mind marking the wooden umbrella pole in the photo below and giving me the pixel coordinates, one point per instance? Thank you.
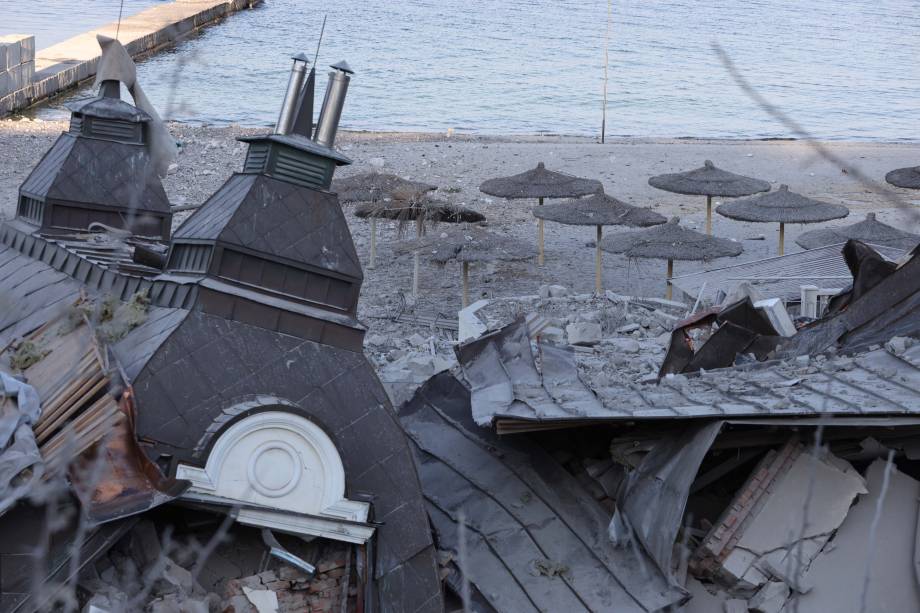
(540, 237)
(418, 234)
(670, 274)
(466, 284)
(782, 237)
(709, 215)
(597, 263)
(373, 261)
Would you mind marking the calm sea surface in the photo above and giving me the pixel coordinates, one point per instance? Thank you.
(845, 69)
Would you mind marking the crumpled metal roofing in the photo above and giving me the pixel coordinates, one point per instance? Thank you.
(507, 388)
(536, 540)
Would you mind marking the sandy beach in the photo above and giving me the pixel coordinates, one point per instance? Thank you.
(459, 164)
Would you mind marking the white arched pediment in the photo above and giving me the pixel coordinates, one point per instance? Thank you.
(285, 473)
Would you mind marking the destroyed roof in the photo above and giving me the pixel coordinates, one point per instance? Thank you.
(99, 172)
(779, 276)
(538, 541)
(508, 390)
(245, 212)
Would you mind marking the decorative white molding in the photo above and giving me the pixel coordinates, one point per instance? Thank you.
(279, 462)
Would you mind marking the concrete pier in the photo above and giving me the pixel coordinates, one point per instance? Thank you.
(66, 64)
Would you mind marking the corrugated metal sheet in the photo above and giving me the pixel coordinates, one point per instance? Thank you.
(508, 389)
(536, 540)
(777, 277)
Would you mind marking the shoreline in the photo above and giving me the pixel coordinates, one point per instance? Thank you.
(460, 163)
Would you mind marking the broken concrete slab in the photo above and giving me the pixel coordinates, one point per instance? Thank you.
(838, 573)
(584, 333)
(776, 312)
(765, 526)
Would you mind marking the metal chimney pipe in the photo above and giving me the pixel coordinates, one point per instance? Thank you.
(289, 106)
(110, 88)
(331, 113)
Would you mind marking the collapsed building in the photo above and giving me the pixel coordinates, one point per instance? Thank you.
(190, 422)
(222, 370)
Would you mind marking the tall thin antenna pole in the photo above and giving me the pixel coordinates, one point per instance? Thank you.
(320, 41)
(121, 9)
(606, 62)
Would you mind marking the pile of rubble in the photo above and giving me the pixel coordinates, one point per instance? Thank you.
(161, 567)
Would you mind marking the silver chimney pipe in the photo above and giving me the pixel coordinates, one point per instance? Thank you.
(289, 106)
(331, 113)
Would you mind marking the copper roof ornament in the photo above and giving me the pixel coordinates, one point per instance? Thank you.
(598, 210)
(671, 241)
(539, 183)
(906, 178)
(468, 245)
(782, 206)
(869, 230)
(709, 180)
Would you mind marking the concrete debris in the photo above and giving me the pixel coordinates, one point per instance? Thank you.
(873, 554)
(776, 312)
(265, 601)
(470, 326)
(763, 525)
(583, 333)
(553, 291)
(735, 605)
(770, 598)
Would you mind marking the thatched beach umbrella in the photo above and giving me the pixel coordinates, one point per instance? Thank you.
(868, 230)
(670, 242)
(784, 207)
(421, 209)
(467, 246)
(376, 187)
(598, 210)
(709, 181)
(908, 178)
(539, 183)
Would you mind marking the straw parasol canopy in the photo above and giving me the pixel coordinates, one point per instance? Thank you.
(406, 207)
(908, 178)
(868, 230)
(467, 245)
(426, 209)
(375, 186)
(598, 210)
(784, 207)
(670, 242)
(540, 183)
(709, 181)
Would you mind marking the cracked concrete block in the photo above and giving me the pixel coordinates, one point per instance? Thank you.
(583, 333)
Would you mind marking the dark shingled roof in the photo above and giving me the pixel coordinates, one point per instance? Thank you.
(523, 512)
(908, 178)
(308, 227)
(539, 183)
(782, 206)
(599, 209)
(709, 180)
(468, 245)
(98, 171)
(868, 230)
(670, 241)
(375, 186)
